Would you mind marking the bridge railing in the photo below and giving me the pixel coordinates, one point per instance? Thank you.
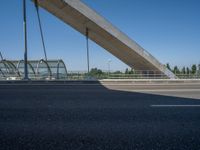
(136, 74)
(83, 75)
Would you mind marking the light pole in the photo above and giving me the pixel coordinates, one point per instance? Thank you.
(199, 70)
(109, 61)
(25, 42)
(199, 66)
(87, 46)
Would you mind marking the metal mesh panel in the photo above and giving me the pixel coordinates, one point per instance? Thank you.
(37, 69)
(8, 70)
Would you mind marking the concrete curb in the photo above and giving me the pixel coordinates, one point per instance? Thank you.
(152, 81)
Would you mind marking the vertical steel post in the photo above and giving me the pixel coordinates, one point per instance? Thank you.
(25, 43)
(1, 56)
(109, 61)
(40, 27)
(87, 46)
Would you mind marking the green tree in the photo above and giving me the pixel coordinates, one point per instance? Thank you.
(194, 69)
(131, 71)
(187, 70)
(183, 71)
(94, 72)
(176, 70)
(168, 66)
(117, 72)
(199, 69)
(126, 71)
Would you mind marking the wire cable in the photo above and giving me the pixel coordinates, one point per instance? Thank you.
(25, 43)
(1, 56)
(87, 46)
(41, 31)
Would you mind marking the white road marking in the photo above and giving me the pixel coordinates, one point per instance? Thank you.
(173, 90)
(175, 105)
(151, 84)
(162, 90)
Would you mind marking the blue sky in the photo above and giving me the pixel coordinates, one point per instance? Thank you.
(168, 29)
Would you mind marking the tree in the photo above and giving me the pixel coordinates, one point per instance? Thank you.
(183, 71)
(126, 72)
(168, 66)
(129, 71)
(95, 72)
(176, 70)
(117, 72)
(187, 70)
(194, 69)
(199, 69)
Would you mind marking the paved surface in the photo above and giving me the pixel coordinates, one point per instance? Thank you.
(184, 90)
(94, 117)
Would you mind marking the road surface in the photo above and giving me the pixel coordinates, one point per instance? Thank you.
(93, 116)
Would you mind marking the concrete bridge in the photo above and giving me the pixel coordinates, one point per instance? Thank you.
(80, 17)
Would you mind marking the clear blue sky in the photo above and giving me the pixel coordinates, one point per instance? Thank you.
(168, 29)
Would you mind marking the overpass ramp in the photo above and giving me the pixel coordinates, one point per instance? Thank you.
(79, 16)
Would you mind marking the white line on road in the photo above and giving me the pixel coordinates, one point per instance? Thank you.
(175, 105)
(150, 84)
(162, 90)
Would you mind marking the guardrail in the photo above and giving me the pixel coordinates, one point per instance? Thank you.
(137, 74)
(83, 75)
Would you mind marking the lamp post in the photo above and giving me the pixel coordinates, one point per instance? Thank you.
(198, 70)
(109, 61)
(87, 46)
(199, 66)
(25, 42)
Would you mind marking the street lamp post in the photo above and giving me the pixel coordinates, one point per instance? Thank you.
(25, 42)
(199, 70)
(87, 46)
(109, 61)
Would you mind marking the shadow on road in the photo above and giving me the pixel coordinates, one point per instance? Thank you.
(90, 116)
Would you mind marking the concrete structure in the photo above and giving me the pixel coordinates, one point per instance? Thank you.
(79, 16)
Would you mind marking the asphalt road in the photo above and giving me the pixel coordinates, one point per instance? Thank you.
(94, 117)
(176, 90)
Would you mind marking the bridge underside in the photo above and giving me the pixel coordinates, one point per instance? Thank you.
(80, 16)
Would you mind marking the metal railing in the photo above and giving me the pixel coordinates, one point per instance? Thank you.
(83, 75)
(37, 69)
(137, 74)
